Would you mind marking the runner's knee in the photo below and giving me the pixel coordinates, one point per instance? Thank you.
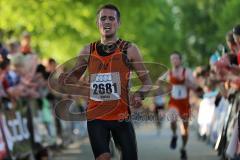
(184, 129)
(104, 156)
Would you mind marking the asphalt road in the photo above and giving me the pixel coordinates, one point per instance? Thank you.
(152, 145)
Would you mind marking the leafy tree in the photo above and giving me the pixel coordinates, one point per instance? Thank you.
(60, 28)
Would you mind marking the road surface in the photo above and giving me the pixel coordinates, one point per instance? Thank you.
(152, 145)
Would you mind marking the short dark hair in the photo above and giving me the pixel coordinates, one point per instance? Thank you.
(177, 53)
(229, 38)
(236, 30)
(26, 34)
(112, 7)
(51, 60)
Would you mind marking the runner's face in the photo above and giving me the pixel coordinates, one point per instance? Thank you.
(175, 60)
(26, 41)
(108, 23)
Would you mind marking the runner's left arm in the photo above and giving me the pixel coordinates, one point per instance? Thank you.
(190, 80)
(138, 65)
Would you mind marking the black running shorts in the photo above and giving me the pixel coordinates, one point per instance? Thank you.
(123, 135)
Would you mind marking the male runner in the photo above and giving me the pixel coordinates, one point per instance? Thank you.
(109, 64)
(182, 81)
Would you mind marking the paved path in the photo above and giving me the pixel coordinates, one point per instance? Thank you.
(151, 146)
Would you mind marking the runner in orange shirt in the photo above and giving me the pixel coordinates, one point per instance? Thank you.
(110, 61)
(182, 81)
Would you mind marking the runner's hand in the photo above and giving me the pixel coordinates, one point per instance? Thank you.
(136, 100)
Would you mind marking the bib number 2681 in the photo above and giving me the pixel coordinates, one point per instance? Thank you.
(105, 86)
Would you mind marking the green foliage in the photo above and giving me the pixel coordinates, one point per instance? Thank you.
(60, 28)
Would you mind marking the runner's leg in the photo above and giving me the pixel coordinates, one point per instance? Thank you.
(124, 137)
(99, 136)
(184, 133)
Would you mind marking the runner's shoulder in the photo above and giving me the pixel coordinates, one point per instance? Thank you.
(188, 71)
(133, 51)
(83, 55)
(132, 47)
(85, 50)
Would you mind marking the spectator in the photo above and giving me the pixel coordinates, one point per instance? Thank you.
(236, 35)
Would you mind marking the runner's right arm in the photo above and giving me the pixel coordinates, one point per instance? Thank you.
(78, 70)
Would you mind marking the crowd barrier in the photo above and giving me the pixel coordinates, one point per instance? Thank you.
(29, 128)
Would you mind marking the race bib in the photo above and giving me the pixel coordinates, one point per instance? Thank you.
(105, 86)
(179, 92)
